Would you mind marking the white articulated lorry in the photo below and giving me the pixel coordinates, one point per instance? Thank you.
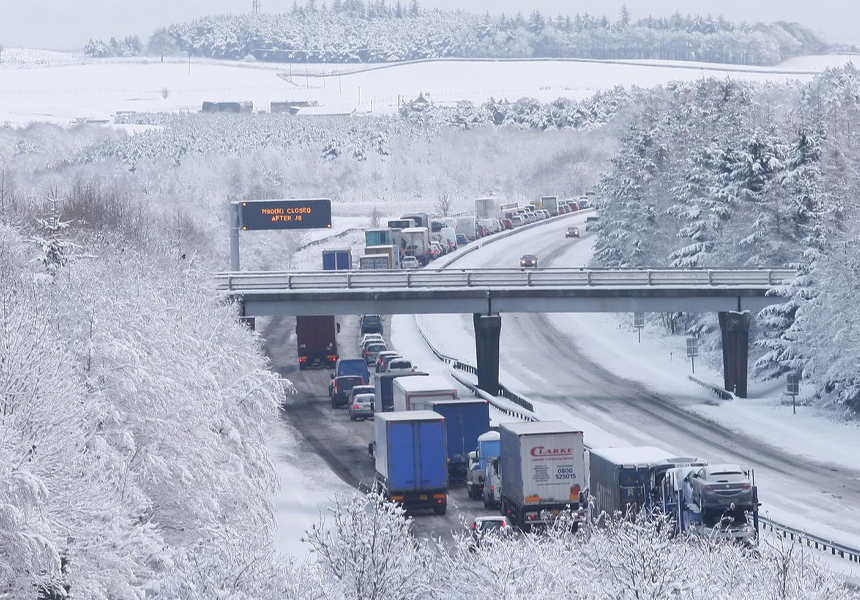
(543, 471)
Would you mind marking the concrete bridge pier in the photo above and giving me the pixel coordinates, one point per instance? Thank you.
(735, 327)
(488, 329)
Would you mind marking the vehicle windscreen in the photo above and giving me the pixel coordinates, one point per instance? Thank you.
(490, 525)
(364, 398)
(727, 477)
(347, 383)
(375, 347)
(368, 320)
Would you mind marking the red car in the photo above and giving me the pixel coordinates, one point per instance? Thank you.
(507, 224)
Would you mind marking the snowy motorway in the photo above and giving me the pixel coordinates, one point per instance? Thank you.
(542, 357)
(329, 433)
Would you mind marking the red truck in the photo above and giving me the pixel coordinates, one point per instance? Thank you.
(316, 340)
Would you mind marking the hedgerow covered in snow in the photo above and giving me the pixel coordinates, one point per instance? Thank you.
(363, 551)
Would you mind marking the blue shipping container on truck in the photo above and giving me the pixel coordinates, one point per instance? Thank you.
(466, 421)
(411, 462)
(337, 260)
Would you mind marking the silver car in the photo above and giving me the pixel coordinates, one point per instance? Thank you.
(361, 407)
(718, 486)
(371, 352)
(409, 262)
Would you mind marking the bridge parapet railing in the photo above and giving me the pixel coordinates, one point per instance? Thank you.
(480, 278)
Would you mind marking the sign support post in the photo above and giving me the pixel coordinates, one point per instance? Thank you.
(235, 226)
(639, 323)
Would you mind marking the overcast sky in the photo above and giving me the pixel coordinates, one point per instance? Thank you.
(68, 24)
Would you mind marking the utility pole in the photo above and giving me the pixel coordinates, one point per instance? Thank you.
(255, 7)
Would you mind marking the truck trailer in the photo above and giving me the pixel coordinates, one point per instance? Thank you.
(337, 260)
(384, 384)
(411, 462)
(466, 420)
(543, 471)
(413, 393)
(487, 208)
(390, 251)
(467, 226)
(489, 447)
(417, 243)
(550, 203)
(623, 480)
(316, 341)
(697, 515)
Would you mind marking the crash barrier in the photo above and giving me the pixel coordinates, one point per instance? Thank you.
(813, 541)
(467, 368)
(723, 393)
(810, 540)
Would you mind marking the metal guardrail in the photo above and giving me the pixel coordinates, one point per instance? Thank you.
(741, 279)
(722, 393)
(813, 541)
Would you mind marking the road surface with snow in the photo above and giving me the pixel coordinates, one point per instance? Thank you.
(548, 362)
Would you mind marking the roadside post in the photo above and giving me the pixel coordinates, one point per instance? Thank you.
(639, 323)
(792, 388)
(693, 350)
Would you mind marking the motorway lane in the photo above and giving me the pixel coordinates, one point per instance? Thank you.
(551, 368)
(329, 433)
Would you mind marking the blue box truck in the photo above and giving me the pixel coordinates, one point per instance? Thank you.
(411, 459)
(465, 420)
(337, 260)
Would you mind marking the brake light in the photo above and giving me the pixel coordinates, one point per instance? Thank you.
(746, 486)
(709, 488)
(356, 406)
(303, 359)
(440, 496)
(492, 489)
(332, 358)
(473, 526)
(396, 498)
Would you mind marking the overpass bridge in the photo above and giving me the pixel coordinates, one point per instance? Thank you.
(732, 293)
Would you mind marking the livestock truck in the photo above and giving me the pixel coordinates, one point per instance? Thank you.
(543, 471)
(411, 393)
(624, 480)
(384, 384)
(411, 460)
(465, 420)
(489, 447)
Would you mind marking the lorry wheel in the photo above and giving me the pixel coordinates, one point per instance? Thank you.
(441, 510)
(486, 503)
(352, 418)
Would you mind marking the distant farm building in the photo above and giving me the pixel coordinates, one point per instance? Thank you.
(228, 107)
(292, 107)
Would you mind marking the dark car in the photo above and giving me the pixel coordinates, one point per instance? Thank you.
(571, 232)
(371, 324)
(528, 261)
(462, 240)
(341, 387)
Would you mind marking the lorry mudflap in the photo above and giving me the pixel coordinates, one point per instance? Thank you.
(435, 499)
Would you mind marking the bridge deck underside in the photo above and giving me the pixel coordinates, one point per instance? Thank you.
(489, 301)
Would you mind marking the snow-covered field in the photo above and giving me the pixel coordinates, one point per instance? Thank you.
(57, 87)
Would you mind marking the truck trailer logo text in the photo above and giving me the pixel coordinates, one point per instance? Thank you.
(541, 451)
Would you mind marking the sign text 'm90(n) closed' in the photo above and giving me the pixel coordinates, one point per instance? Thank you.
(285, 214)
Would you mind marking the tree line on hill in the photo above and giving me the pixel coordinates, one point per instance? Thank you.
(354, 31)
